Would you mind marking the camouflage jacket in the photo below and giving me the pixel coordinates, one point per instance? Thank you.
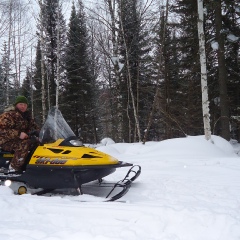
(12, 123)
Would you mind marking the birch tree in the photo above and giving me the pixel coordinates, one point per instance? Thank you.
(104, 19)
(4, 18)
(9, 51)
(54, 28)
(205, 102)
(58, 55)
(125, 32)
(41, 49)
(21, 39)
(136, 75)
(106, 30)
(115, 59)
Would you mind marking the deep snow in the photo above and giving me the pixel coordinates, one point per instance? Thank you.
(189, 189)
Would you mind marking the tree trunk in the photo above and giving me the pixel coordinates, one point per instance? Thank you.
(159, 68)
(205, 102)
(115, 60)
(130, 83)
(8, 53)
(58, 56)
(224, 104)
(42, 63)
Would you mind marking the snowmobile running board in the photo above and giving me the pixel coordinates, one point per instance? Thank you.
(123, 184)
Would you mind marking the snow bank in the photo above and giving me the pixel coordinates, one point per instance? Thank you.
(196, 146)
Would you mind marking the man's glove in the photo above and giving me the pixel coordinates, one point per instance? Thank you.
(34, 133)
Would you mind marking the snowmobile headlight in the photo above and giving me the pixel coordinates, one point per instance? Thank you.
(76, 143)
(8, 183)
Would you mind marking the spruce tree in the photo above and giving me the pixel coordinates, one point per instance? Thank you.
(134, 82)
(190, 101)
(163, 115)
(168, 123)
(26, 88)
(37, 83)
(7, 77)
(53, 26)
(1, 88)
(231, 27)
(227, 36)
(78, 89)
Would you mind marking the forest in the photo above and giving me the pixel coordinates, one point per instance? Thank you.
(129, 70)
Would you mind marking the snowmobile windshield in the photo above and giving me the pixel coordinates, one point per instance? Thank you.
(55, 127)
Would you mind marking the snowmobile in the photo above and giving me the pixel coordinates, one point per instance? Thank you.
(62, 162)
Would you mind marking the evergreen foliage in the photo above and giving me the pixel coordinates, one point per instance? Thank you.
(229, 33)
(134, 47)
(53, 24)
(26, 89)
(190, 116)
(37, 84)
(7, 86)
(78, 88)
(2, 98)
(149, 64)
(231, 25)
(167, 121)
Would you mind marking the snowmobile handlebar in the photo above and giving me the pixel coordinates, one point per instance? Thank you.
(34, 133)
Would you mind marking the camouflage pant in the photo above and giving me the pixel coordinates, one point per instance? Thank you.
(20, 148)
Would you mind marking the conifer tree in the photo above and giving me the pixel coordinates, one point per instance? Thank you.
(37, 84)
(26, 88)
(8, 76)
(190, 102)
(134, 50)
(78, 89)
(231, 26)
(53, 26)
(1, 89)
(224, 87)
(222, 72)
(169, 97)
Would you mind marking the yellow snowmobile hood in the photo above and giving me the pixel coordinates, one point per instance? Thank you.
(55, 155)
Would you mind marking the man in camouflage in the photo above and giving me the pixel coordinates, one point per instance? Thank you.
(15, 124)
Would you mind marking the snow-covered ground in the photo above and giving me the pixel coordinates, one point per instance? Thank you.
(189, 189)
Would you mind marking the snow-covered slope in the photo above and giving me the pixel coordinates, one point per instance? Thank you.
(189, 189)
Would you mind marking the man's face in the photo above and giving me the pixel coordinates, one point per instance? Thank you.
(22, 107)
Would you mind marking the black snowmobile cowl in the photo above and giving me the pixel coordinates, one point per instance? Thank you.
(61, 161)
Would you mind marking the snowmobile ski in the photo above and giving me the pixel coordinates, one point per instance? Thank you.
(117, 190)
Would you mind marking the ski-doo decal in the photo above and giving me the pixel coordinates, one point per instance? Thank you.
(49, 161)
